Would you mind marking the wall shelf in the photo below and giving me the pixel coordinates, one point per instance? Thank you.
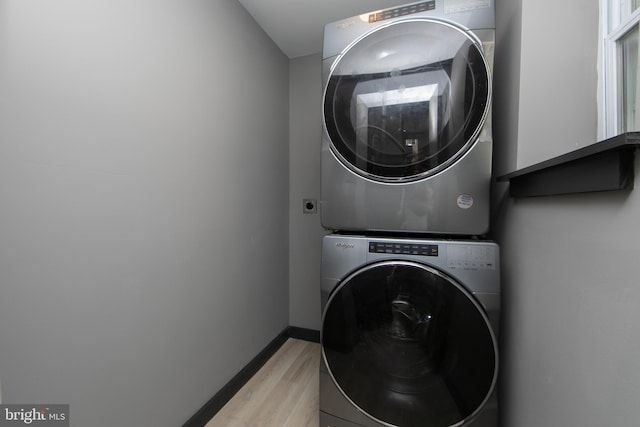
(604, 166)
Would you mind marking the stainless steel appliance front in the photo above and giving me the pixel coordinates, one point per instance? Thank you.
(409, 332)
(407, 137)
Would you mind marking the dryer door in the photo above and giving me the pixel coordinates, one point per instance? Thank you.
(409, 346)
(407, 100)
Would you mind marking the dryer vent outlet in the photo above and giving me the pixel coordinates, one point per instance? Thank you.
(309, 206)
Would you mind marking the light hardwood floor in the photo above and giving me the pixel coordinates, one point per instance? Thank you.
(283, 393)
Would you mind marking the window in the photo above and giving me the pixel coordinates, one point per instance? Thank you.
(620, 106)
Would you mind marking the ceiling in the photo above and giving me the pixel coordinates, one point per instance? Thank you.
(296, 26)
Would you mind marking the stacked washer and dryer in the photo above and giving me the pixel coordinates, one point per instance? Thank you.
(410, 287)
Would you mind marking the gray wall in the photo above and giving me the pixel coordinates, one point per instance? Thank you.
(305, 232)
(558, 78)
(143, 204)
(570, 340)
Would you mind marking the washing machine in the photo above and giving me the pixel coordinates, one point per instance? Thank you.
(407, 140)
(409, 332)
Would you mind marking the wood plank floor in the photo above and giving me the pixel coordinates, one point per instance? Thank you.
(283, 393)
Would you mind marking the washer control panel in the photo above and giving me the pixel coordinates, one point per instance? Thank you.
(471, 257)
(403, 248)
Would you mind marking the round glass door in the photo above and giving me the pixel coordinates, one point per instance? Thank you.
(407, 100)
(409, 346)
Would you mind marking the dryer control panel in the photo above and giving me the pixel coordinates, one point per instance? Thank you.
(401, 11)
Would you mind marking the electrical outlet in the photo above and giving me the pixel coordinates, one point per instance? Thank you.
(309, 206)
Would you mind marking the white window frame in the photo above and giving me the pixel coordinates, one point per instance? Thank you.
(613, 27)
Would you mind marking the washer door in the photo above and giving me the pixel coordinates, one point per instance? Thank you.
(409, 346)
(407, 100)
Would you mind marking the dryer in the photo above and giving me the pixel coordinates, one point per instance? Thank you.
(409, 332)
(407, 141)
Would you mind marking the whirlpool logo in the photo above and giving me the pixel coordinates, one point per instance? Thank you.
(345, 245)
(36, 415)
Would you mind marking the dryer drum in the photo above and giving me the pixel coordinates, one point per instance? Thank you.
(409, 346)
(407, 100)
